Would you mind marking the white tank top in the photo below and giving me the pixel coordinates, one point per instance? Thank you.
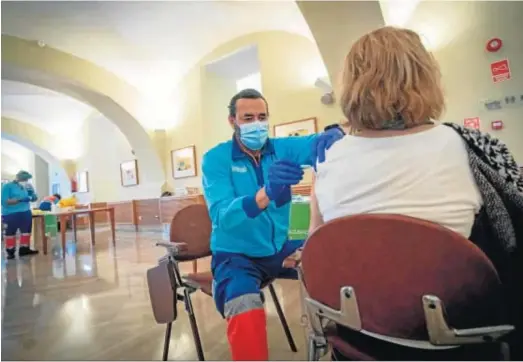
(424, 175)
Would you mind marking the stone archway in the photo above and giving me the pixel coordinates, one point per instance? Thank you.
(25, 61)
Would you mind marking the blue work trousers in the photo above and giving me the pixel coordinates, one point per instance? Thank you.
(236, 275)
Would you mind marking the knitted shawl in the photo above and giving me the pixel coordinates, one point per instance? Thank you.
(498, 228)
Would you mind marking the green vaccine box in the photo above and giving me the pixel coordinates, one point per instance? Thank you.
(299, 218)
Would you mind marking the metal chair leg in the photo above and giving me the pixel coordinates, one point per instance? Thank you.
(167, 341)
(317, 347)
(282, 319)
(312, 351)
(194, 326)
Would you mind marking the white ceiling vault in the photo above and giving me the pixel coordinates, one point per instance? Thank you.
(149, 44)
(15, 157)
(40, 107)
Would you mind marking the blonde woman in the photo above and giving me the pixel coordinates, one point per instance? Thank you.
(401, 160)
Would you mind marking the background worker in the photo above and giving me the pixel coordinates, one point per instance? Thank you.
(17, 196)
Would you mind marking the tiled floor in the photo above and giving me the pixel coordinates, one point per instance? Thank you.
(95, 306)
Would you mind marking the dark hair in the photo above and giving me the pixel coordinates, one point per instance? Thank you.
(248, 93)
(58, 196)
(166, 194)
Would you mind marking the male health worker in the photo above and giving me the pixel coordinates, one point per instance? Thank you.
(247, 186)
(17, 196)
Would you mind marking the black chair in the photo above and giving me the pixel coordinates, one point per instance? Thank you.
(190, 240)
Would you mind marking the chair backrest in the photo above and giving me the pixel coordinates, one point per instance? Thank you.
(192, 225)
(391, 261)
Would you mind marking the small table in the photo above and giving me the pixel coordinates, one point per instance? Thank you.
(63, 216)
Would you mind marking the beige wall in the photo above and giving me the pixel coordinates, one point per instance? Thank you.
(289, 66)
(104, 149)
(465, 65)
(458, 39)
(217, 92)
(41, 177)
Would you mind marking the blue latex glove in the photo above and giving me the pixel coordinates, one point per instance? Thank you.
(282, 174)
(323, 142)
(25, 199)
(31, 192)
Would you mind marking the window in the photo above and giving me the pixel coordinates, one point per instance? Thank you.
(250, 81)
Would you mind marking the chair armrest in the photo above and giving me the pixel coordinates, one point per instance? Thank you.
(484, 331)
(348, 315)
(173, 249)
(441, 334)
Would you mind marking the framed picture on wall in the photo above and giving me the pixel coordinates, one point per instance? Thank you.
(303, 127)
(183, 162)
(129, 173)
(83, 181)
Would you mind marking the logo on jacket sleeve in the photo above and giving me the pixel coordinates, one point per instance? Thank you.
(240, 169)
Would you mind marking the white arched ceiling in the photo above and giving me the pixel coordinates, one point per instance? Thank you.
(15, 157)
(151, 45)
(10, 167)
(53, 72)
(148, 45)
(438, 22)
(50, 111)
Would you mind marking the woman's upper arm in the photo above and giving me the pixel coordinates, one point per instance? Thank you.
(316, 218)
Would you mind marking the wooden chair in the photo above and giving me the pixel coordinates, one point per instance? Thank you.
(378, 283)
(190, 240)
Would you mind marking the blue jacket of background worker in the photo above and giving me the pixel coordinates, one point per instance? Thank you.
(231, 180)
(13, 190)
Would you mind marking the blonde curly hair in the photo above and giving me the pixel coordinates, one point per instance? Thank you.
(389, 75)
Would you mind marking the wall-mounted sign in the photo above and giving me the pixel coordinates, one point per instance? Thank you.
(493, 105)
(494, 44)
(500, 71)
(471, 122)
(497, 125)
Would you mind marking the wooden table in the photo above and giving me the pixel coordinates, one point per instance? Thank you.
(63, 216)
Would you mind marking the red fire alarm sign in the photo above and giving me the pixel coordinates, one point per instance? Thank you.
(497, 125)
(494, 44)
(500, 71)
(471, 122)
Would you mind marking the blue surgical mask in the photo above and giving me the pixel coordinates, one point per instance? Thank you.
(253, 135)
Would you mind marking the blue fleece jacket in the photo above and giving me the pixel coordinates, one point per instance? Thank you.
(231, 180)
